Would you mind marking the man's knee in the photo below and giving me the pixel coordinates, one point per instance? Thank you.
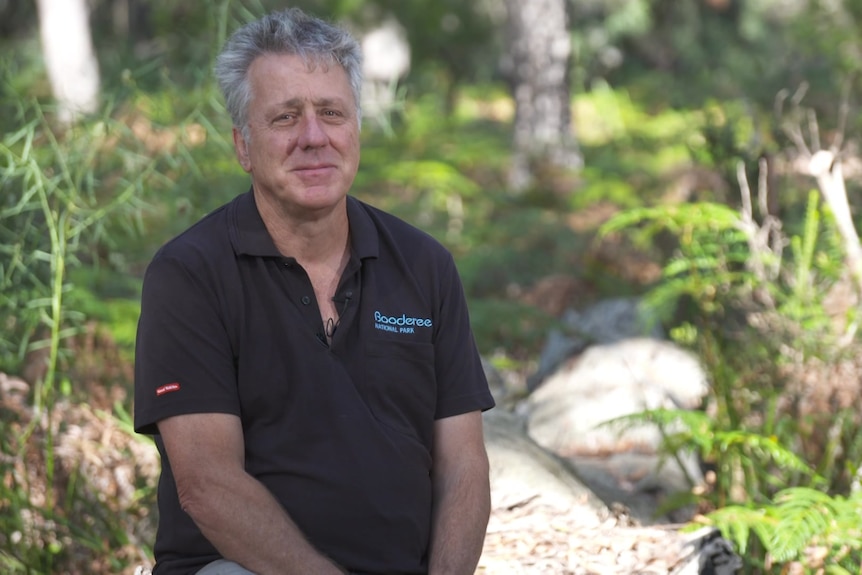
(224, 567)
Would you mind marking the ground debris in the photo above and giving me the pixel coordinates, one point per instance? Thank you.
(537, 539)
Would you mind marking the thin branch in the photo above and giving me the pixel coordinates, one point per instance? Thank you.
(760, 238)
(800, 93)
(814, 130)
(826, 167)
(745, 190)
(794, 132)
(763, 187)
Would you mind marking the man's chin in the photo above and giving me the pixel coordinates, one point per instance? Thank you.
(319, 201)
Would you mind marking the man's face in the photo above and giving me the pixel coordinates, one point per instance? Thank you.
(303, 145)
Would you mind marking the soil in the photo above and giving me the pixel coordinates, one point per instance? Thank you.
(537, 540)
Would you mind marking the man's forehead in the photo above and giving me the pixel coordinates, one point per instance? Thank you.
(288, 69)
(311, 62)
(281, 82)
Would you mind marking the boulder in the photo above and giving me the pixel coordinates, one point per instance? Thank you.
(521, 471)
(569, 414)
(544, 519)
(565, 415)
(608, 321)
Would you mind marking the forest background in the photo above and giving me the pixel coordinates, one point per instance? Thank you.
(706, 160)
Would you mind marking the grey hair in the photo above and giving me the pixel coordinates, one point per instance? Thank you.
(288, 31)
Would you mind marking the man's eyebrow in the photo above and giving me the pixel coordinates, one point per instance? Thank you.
(320, 102)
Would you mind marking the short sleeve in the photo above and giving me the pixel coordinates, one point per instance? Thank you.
(184, 362)
(461, 382)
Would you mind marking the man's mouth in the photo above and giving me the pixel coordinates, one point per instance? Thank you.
(313, 170)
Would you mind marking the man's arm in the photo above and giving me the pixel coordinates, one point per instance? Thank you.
(233, 510)
(462, 495)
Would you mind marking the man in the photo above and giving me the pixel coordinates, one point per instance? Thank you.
(304, 360)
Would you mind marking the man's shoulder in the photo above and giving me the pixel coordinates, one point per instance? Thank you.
(205, 239)
(401, 233)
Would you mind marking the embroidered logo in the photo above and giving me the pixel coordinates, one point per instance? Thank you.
(167, 389)
(399, 324)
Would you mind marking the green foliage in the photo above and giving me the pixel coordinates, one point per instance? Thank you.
(606, 116)
(502, 325)
(802, 525)
(63, 193)
(711, 256)
(56, 212)
(81, 213)
(452, 188)
(451, 43)
(629, 151)
(110, 299)
(92, 526)
(817, 253)
(747, 462)
(756, 318)
(712, 261)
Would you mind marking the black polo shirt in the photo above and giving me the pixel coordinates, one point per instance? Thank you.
(340, 435)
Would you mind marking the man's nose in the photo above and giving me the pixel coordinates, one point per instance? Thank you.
(312, 132)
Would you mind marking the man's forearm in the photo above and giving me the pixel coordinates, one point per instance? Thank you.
(462, 505)
(247, 525)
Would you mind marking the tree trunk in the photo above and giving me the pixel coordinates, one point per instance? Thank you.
(67, 47)
(538, 61)
(132, 19)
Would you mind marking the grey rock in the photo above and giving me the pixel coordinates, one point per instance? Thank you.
(558, 348)
(612, 320)
(566, 415)
(606, 322)
(535, 538)
(521, 471)
(569, 416)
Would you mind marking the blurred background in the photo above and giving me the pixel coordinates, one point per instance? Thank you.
(698, 155)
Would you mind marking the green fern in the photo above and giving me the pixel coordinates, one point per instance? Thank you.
(738, 523)
(800, 519)
(677, 219)
(747, 462)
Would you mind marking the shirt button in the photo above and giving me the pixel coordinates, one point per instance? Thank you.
(306, 300)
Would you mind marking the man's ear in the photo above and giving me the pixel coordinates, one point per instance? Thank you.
(241, 148)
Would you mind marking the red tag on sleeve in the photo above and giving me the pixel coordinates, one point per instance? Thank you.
(167, 388)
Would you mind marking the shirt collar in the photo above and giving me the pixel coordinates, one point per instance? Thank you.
(249, 236)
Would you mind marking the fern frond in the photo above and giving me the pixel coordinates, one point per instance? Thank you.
(766, 448)
(675, 219)
(804, 514)
(804, 247)
(737, 523)
(799, 518)
(695, 423)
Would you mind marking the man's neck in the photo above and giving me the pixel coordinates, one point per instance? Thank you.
(310, 237)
